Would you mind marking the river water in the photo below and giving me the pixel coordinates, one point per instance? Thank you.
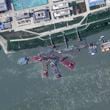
(85, 88)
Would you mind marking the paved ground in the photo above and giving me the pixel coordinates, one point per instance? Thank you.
(87, 88)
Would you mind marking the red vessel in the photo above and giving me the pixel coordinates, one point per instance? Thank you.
(68, 63)
(36, 58)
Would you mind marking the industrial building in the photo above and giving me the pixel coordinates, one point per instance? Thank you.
(54, 1)
(60, 6)
(20, 16)
(53, 11)
(61, 13)
(3, 6)
(41, 15)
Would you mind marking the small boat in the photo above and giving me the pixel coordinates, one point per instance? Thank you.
(92, 49)
(23, 60)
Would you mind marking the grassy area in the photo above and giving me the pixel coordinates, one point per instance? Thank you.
(97, 16)
(18, 45)
(60, 25)
(16, 35)
(43, 28)
(69, 31)
(82, 27)
(56, 38)
(95, 28)
(75, 20)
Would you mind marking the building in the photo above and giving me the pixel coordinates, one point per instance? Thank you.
(61, 13)
(60, 6)
(5, 25)
(93, 3)
(20, 16)
(57, 1)
(80, 1)
(41, 15)
(108, 2)
(3, 5)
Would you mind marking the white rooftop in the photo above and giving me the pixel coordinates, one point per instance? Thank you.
(2, 1)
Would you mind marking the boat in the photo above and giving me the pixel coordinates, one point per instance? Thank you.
(35, 59)
(92, 49)
(67, 63)
(27, 60)
(23, 60)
